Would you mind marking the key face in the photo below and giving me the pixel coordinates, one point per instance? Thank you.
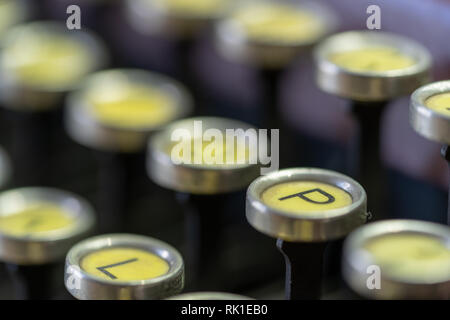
(371, 66)
(278, 23)
(137, 102)
(45, 56)
(124, 264)
(117, 109)
(47, 220)
(375, 59)
(198, 8)
(306, 196)
(306, 205)
(439, 103)
(411, 256)
(36, 219)
(206, 153)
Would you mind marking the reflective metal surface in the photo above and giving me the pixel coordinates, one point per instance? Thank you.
(86, 130)
(19, 96)
(49, 246)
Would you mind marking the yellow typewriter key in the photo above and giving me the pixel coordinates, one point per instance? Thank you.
(205, 172)
(114, 113)
(370, 69)
(399, 259)
(305, 209)
(37, 228)
(209, 296)
(429, 115)
(123, 267)
(40, 62)
(5, 168)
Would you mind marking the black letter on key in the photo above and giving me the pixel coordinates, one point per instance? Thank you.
(301, 195)
(109, 274)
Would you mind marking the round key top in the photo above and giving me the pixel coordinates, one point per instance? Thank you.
(117, 110)
(37, 228)
(370, 69)
(209, 296)
(270, 34)
(42, 60)
(405, 259)
(123, 267)
(304, 209)
(181, 159)
(371, 66)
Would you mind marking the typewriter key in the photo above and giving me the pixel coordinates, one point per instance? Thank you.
(123, 267)
(370, 69)
(114, 113)
(37, 228)
(40, 62)
(398, 259)
(430, 116)
(204, 170)
(305, 209)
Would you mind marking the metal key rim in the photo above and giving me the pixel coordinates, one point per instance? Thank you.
(425, 121)
(52, 245)
(356, 260)
(328, 225)
(162, 286)
(366, 85)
